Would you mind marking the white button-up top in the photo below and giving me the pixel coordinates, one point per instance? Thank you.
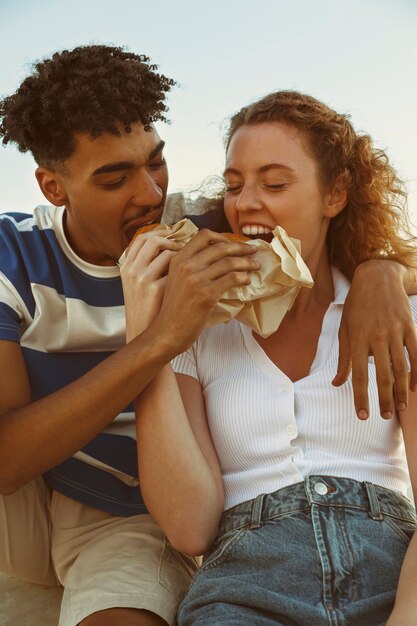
(270, 432)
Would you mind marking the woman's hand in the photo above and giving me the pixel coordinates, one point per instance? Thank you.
(144, 273)
(377, 320)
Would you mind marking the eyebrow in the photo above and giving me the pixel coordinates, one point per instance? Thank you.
(263, 168)
(127, 165)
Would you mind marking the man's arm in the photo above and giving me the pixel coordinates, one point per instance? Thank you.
(35, 436)
(377, 320)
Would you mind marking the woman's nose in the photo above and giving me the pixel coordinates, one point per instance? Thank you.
(248, 200)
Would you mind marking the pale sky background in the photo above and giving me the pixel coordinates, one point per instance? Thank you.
(359, 56)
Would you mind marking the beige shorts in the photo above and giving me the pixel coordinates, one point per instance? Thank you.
(104, 561)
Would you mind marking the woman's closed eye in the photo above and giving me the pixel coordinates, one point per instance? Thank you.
(233, 188)
(237, 187)
(275, 186)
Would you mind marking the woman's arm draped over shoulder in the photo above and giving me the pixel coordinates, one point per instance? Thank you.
(377, 320)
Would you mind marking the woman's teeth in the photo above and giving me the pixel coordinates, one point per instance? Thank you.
(255, 230)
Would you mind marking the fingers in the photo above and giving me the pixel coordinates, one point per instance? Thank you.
(143, 289)
(209, 269)
(208, 247)
(377, 320)
(146, 279)
(160, 265)
(210, 256)
(204, 250)
(229, 280)
(146, 263)
(359, 371)
(360, 381)
(385, 379)
(344, 364)
(400, 375)
(393, 370)
(392, 373)
(150, 245)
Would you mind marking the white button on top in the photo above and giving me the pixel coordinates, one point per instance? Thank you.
(291, 430)
(321, 489)
(287, 386)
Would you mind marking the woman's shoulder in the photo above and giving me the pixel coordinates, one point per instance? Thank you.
(220, 334)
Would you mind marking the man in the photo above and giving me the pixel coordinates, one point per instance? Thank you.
(71, 509)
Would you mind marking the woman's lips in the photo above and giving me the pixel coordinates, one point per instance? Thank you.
(257, 231)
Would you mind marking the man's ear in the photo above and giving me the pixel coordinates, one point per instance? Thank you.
(337, 198)
(52, 186)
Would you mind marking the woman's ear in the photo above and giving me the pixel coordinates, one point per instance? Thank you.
(337, 198)
(52, 186)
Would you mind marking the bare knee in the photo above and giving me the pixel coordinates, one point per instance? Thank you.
(123, 617)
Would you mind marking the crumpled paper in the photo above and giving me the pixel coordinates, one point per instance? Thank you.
(262, 304)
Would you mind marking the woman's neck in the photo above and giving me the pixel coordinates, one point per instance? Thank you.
(322, 292)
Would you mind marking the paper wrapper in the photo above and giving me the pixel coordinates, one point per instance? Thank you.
(262, 304)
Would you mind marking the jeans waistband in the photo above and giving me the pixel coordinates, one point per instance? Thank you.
(328, 491)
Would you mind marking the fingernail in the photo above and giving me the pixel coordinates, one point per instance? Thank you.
(387, 415)
(362, 414)
(402, 406)
(413, 387)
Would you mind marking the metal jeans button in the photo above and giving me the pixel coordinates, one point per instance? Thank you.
(321, 489)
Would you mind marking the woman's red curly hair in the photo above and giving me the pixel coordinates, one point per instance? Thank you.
(374, 224)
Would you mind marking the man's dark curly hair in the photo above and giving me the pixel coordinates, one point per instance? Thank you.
(87, 89)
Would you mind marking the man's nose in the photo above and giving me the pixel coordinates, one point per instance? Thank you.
(147, 192)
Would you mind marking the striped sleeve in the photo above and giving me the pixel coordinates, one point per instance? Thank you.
(9, 323)
(15, 298)
(12, 310)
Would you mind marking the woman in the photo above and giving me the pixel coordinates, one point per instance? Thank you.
(260, 462)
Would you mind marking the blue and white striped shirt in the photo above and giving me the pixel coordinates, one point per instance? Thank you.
(68, 315)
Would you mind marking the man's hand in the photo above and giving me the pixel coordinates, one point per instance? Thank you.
(207, 267)
(377, 321)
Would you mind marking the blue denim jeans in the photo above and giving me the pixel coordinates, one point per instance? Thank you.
(326, 551)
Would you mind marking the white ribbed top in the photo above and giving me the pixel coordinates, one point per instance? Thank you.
(270, 432)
